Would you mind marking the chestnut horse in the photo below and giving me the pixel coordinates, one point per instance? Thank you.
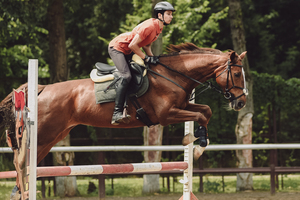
(62, 106)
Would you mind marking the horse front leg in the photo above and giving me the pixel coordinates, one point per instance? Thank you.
(201, 132)
(204, 111)
(193, 112)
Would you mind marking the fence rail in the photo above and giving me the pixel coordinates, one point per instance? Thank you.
(221, 147)
(273, 170)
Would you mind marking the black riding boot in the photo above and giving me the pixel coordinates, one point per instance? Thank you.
(118, 116)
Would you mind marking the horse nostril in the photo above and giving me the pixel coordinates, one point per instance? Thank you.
(241, 104)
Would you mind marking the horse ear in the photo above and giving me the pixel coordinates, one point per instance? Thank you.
(232, 56)
(242, 56)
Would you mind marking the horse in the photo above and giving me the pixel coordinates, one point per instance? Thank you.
(64, 105)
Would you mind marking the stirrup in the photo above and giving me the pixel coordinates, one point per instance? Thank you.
(115, 120)
(120, 118)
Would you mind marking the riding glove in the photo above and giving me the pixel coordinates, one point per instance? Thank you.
(151, 59)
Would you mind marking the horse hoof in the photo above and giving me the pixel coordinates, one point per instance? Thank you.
(15, 194)
(188, 139)
(198, 151)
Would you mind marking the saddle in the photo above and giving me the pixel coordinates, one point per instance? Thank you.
(106, 79)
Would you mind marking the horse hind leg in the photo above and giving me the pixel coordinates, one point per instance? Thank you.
(20, 154)
(18, 190)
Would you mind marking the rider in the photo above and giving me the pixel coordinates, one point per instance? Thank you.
(123, 46)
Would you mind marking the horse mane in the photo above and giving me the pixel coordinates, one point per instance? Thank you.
(185, 48)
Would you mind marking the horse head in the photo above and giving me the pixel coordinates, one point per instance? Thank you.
(231, 78)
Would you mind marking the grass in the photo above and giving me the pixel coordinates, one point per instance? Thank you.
(6, 188)
(132, 187)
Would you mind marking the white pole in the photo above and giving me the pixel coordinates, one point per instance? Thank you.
(188, 157)
(212, 147)
(32, 105)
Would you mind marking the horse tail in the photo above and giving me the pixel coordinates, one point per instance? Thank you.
(7, 118)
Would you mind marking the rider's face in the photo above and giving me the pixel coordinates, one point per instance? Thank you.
(168, 16)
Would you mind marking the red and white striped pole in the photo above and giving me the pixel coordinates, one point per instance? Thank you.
(8, 174)
(103, 169)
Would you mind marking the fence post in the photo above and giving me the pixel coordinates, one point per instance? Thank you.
(101, 178)
(272, 174)
(32, 105)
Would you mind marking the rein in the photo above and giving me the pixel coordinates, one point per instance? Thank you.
(208, 85)
(154, 72)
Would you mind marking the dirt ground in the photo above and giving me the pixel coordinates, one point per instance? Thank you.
(234, 196)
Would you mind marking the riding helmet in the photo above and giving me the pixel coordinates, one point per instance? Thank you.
(163, 5)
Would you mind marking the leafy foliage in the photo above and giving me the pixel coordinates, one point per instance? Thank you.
(193, 23)
(20, 39)
(272, 27)
(272, 91)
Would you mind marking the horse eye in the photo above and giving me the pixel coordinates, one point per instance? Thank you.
(237, 74)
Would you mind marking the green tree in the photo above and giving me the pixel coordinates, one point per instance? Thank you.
(21, 38)
(194, 23)
(87, 24)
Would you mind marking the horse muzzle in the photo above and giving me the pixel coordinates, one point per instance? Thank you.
(236, 103)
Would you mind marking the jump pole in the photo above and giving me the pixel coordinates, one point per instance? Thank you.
(33, 108)
(78, 170)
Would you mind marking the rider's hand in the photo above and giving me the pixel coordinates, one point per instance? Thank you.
(151, 59)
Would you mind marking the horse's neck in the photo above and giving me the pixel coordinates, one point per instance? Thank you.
(197, 66)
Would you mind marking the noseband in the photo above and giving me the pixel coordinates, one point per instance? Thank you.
(227, 94)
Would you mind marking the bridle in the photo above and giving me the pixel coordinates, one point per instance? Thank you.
(209, 85)
(227, 94)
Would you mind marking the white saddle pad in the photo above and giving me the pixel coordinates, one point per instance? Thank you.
(100, 79)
